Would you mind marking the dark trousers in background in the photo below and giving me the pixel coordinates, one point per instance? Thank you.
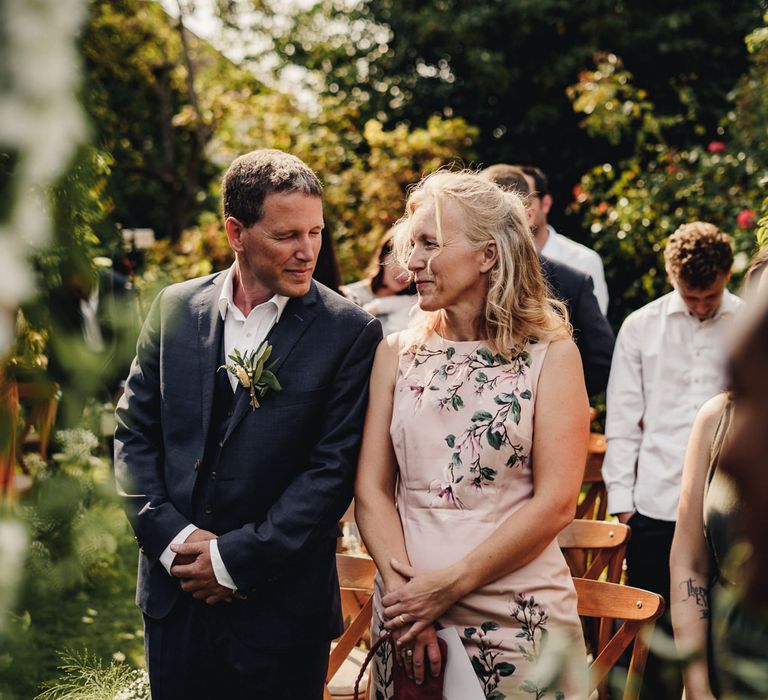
(648, 568)
(193, 654)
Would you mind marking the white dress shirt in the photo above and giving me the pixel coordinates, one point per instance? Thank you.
(245, 334)
(666, 364)
(564, 250)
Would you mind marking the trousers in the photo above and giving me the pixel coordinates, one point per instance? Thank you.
(194, 653)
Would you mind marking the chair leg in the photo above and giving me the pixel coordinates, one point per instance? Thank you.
(637, 663)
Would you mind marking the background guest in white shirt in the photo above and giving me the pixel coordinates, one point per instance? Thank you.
(668, 361)
(554, 245)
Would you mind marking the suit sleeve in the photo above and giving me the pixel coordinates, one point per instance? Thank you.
(139, 450)
(318, 497)
(595, 340)
(625, 409)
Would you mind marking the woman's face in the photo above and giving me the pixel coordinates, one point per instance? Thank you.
(395, 278)
(450, 276)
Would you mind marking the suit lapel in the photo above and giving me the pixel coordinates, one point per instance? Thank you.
(297, 317)
(210, 328)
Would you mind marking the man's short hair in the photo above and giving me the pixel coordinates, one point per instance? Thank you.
(540, 180)
(697, 253)
(253, 176)
(508, 177)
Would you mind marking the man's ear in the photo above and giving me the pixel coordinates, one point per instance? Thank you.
(235, 231)
(546, 203)
(490, 255)
(530, 216)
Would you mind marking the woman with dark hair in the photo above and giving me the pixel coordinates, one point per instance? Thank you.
(385, 291)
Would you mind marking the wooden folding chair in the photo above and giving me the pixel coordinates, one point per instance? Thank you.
(42, 400)
(638, 609)
(594, 503)
(356, 575)
(593, 548)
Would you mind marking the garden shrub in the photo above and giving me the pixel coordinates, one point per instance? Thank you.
(632, 207)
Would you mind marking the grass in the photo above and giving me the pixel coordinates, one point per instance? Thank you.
(97, 621)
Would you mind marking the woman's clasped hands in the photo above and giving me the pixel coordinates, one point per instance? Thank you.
(409, 615)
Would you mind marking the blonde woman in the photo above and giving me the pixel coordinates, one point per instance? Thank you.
(474, 446)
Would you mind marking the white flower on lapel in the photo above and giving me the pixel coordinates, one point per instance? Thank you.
(242, 375)
(250, 370)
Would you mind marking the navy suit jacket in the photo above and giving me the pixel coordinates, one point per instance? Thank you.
(591, 330)
(286, 470)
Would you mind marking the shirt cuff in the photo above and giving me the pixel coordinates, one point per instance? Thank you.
(167, 557)
(620, 500)
(220, 571)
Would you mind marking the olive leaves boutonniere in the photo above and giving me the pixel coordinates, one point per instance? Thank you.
(251, 372)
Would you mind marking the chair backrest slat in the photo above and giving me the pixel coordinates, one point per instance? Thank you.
(590, 547)
(639, 609)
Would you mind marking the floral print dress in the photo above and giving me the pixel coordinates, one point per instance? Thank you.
(462, 428)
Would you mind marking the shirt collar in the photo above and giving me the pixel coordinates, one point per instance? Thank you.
(226, 298)
(728, 304)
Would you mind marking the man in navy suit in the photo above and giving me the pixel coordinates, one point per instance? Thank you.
(235, 507)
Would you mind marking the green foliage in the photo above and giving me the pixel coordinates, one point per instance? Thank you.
(504, 66)
(631, 208)
(85, 677)
(79, 562)
(200, 251)
(156, 96)
(50, 342)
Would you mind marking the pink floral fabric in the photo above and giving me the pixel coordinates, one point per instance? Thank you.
(462, 429)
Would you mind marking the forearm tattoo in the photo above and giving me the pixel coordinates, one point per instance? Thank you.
(699, 595)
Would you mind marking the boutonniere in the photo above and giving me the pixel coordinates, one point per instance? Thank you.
(251, 372)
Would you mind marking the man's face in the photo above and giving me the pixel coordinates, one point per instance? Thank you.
(278, 253)
(702, 303)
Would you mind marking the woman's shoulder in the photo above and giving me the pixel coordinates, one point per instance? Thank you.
(387, 359)
(710, 412)
(389, 348)
(557, 351)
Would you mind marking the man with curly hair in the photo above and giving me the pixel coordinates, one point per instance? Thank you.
(668, 361)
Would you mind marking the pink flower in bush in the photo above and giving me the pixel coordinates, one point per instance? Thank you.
(716, 147)
(746, 218)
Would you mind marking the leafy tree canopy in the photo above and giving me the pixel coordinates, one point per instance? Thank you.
(504, 65)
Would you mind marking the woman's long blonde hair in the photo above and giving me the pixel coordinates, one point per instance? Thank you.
(519, 306)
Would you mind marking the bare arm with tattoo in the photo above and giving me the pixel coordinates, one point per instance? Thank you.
(690, 559)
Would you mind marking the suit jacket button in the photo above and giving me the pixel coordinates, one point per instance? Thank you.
(197, 464)
(208, 509)
(213, 476)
